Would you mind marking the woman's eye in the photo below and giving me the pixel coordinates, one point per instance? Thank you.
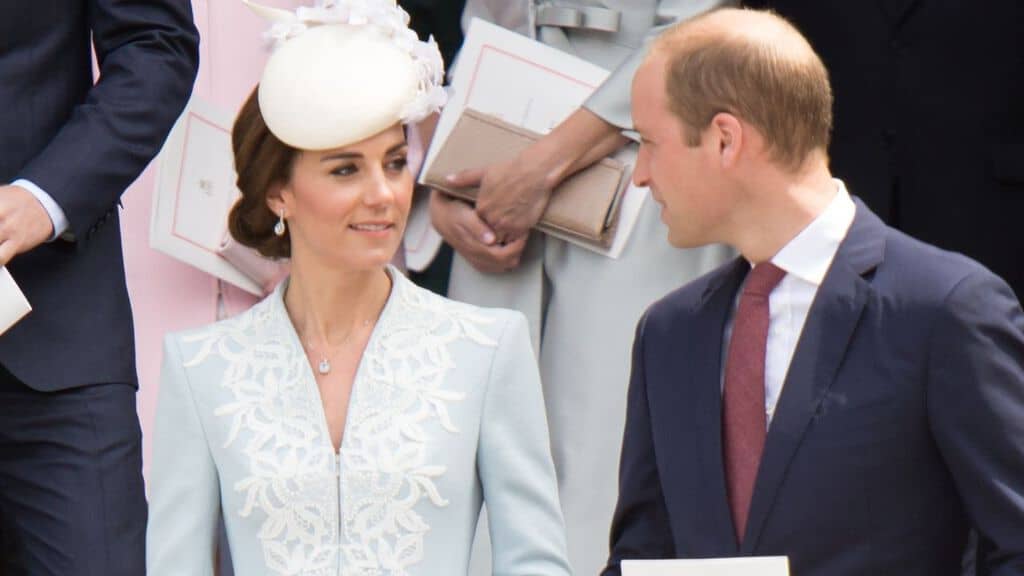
(344, 170)
(398, 164)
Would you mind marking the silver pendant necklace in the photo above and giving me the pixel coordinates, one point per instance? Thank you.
(324, 366)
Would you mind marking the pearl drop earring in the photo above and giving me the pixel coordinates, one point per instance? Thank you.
(280, 228)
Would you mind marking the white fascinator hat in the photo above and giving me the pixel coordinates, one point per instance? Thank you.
(344, 70)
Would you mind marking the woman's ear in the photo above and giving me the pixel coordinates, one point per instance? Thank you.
(276, 199)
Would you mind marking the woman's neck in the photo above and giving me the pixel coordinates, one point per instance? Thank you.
(326, 305)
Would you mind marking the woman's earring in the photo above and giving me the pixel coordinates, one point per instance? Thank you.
(279, 228)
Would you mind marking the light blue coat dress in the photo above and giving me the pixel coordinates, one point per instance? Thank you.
(446, 412)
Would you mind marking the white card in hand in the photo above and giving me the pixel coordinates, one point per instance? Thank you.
(750, 566)
(13, 305)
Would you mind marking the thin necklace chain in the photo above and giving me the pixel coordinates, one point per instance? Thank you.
(324, 366)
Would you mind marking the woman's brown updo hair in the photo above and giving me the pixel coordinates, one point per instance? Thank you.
(261, 161)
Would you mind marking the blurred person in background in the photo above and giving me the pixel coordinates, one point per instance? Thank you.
(72, 500)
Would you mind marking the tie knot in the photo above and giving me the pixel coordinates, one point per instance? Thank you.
(763, 279)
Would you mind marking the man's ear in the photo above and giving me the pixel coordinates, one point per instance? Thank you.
(728, 130)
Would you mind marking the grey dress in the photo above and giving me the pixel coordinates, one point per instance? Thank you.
(583, 307)
(445, 413)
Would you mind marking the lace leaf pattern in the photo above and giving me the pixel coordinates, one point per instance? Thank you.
(277, 420)
(399, 391)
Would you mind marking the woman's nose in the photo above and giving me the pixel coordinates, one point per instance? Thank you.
(381, 189)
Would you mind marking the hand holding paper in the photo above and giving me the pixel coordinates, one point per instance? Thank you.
(541, 89)
(13, 305)
(27, 223)
(584, 205)
(513, 194)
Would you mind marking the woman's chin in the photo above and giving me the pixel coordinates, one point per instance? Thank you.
(352, 256)
(373, 259)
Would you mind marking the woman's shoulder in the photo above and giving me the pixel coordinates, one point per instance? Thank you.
(494, 321)
(196, 344)
(486, 344)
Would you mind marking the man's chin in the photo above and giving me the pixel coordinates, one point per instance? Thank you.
(677, 242)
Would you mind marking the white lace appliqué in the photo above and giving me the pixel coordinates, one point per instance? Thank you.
(277, 419)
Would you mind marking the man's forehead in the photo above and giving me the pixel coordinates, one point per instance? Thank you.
(649, 85)
(653, 66)
(646, 79)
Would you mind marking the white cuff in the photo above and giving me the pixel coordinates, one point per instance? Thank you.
(57, 217)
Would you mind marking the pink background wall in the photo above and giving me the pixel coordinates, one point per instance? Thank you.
(166, 294)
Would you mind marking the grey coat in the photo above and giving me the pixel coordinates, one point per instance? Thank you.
(583, 307)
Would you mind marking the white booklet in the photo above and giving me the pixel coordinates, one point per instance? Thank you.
(748, 566)
(526, 83)
(194, 192)
(13, 304)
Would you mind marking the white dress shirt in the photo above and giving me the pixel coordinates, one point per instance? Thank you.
(806, 259)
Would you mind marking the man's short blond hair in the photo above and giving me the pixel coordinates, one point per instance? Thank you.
(757, 66)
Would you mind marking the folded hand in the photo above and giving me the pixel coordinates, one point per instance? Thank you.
(471, 237)
(512, 195)
(24, 223)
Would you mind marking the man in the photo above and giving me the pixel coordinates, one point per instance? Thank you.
(71, 492)
(856, 400)
(929, 116)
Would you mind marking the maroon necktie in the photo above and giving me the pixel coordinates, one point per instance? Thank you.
(743, 426)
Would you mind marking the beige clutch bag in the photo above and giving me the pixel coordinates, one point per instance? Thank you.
(584, 206)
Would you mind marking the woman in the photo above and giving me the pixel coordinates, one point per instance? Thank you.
(351, 423)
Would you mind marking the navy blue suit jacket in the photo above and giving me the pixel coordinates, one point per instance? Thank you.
(83, 145)
(899, 426)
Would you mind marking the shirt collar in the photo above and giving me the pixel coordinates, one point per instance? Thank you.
(809, 255)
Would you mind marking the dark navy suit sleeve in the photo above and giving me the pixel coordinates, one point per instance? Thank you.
(976, 409)
(148, 57)
(640, 528)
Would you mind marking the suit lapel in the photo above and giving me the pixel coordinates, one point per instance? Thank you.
(705, 383)
(823, 344)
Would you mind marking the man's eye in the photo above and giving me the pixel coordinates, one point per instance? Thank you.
(344, 170)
